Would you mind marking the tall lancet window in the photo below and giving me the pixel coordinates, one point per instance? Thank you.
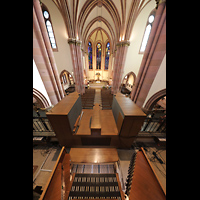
(107, 55)
(147, 31)
(98, 66)
(49, 27)
(90, 55)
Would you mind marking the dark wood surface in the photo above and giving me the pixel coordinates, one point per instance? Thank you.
(145, 185)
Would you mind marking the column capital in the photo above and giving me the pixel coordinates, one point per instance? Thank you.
(74, 41)
(158, 2)
(123, 43)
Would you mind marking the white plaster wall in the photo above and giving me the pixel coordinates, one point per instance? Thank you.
(133, 58)
(38, 83)
(63, 56)
(159, 82)
(130, 79)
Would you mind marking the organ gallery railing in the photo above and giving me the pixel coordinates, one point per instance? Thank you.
(41, 124)
(155, 122)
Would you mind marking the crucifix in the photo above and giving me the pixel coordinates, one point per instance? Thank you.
(98, 74)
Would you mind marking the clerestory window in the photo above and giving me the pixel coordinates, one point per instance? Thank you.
(147, 32)
(49, 27)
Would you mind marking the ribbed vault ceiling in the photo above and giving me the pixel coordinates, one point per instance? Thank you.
(115, 17)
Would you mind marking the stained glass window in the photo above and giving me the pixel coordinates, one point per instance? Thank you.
(98, 66)
(90, 55)
(107, 55)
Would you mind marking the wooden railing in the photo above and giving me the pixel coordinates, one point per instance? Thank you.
(154, 123)
(41, 124)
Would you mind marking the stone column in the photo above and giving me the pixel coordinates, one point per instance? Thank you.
(43, 56)
(119, 61)
(110, 65)
(153, 56)
(86, 64)
(75, 47)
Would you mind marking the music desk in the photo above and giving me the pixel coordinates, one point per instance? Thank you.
(93, 155)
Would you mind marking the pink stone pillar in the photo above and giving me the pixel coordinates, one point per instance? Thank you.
(153, 56)
(118, 68)
(43, 56)
(76, 54)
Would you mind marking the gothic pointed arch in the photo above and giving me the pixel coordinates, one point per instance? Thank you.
(154, 99)
(125, 79)
(66, 77)
(40, 98)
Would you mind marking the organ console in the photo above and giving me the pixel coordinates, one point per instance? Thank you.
(73, 179)
(90, 173)
(76, 127)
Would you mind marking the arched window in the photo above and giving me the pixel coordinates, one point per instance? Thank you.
(49, 27)
(64, 78)
(107, 55)
(98, 66)
(147, 31)
(90, 55)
